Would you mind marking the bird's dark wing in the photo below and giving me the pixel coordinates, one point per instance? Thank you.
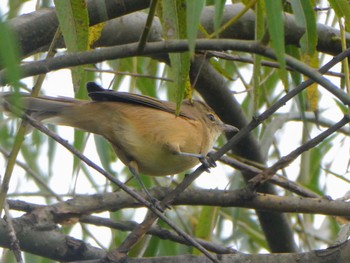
(97, 93)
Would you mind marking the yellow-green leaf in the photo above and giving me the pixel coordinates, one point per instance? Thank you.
(95, 33)
(312, 90)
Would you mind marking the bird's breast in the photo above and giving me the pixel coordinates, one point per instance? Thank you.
(147, 138)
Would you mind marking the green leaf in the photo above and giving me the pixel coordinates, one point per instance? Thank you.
(274, 14)
(9, 55)
(316, 157)
(74, 24)
(260, 31)
(51, 150)
(79, 143)
(305, 17)
(193, 15)
(219, 10)
(294, 52)
(206, 223)
(344, 109)
(105, 153)
(342, 9)
(222, 69)
(173, 14)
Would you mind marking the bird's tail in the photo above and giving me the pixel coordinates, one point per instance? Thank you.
(40, 108)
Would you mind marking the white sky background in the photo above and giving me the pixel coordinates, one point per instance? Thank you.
(58, 83)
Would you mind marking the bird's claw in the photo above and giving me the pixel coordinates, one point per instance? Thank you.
(208, 162)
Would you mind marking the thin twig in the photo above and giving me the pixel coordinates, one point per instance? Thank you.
(287, 159)
(148, 25)
(14, 242)
(266, 63)
(155, 231)
(136, 75)
(277, 180)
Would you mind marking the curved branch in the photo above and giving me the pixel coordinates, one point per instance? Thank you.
(36, 30)
(131, 50)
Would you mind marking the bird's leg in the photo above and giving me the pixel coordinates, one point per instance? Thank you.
(206, 160)
(210, 160)
(135, 173)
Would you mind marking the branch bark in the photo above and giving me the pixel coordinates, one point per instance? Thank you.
(52, 244)
(47, 242)
(29, 27)
(84, 205)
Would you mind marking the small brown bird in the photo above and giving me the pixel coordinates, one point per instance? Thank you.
(145, 133)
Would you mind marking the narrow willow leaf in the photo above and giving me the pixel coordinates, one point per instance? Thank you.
(316, 156)
(306, 18)
(79, 143)
(342, 9)
(312, 91)
(274, 15)
(259, 34)
(174, 24)
(219, 10)
(9, 55)
(104, 152)
(51, 150)
(193, 15)
(221, 69)
(74, 24)
(206, 224)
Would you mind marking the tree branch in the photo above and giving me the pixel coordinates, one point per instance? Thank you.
(52, 244)
(131, 50)
(29, 27)
(84, 205)
(49, 242)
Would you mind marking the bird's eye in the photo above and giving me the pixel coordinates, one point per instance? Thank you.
(211, 117)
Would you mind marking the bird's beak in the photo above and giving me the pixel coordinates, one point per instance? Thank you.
(229, 128)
